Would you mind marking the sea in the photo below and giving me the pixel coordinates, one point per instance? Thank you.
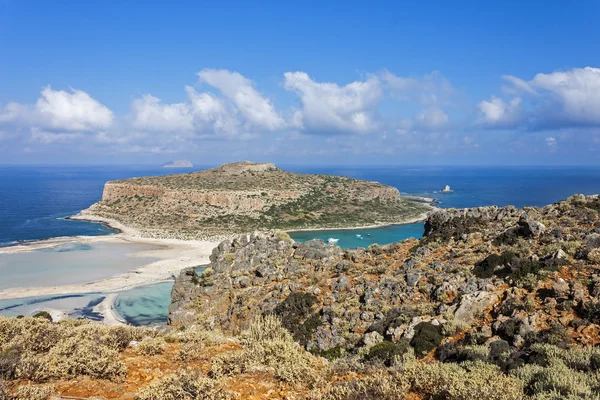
(35, 202)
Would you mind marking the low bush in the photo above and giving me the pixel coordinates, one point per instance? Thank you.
(184, 386)
(268, 344)
(3, 391)
(566, 372)
(36, 349)
(387, 352)
(469, 380)
(427, 337)
(380, 386)
(151, 346)
(30, 392)
(43, 314)
(298, 317)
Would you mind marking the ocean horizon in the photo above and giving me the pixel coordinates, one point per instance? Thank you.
(35, 201)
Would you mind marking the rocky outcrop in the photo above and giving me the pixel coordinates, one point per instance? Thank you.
(479, 275)
(178, 164)
(241, 197)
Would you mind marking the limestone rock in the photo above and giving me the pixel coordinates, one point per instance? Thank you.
(473, 304)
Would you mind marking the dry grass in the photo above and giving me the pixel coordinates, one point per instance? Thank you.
(267, 344)
(185, 386)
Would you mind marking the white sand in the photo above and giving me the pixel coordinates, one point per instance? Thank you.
(106, 309)
(173, 256)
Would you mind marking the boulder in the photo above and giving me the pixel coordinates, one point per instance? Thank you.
(473, 304)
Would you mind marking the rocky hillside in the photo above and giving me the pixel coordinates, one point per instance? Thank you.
(493, 303)
(241, 197)
(486, 284)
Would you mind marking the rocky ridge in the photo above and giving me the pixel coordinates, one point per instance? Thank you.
(241, 197)
(478, 276)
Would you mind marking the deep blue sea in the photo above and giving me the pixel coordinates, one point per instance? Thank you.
(34, 201)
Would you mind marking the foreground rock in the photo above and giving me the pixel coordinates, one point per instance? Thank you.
(518, 275)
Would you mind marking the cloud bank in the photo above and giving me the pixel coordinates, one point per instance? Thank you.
(395, 112)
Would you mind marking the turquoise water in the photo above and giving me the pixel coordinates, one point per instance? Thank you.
(145, 305)
(79, 305)
(353, 238)
(70, 264)
(68, 189)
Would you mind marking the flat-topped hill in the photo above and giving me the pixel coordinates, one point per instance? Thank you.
(243, 196)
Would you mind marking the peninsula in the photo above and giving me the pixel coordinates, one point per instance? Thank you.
(244, 196)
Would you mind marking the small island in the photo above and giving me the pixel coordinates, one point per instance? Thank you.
(178, 164)
(244, 196)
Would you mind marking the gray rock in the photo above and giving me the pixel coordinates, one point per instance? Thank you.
(372, 338)
(412, 277)
(473, 304)
(529, 228)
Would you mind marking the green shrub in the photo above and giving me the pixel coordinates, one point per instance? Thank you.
(427, 337)
(387, 352)
(43, 314)
(568, 372)
(298, 317)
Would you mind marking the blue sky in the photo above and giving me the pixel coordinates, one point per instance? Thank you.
(429, 82)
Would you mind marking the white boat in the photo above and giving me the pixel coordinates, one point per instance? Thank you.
(332, 240)
(359, 236)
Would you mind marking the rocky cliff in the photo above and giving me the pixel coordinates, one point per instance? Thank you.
(479, 276)
(244, 196)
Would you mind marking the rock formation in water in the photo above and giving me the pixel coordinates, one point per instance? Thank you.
(178, 164)
(241, 197)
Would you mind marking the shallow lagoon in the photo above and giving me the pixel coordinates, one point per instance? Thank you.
(353, 238)
(70, 264)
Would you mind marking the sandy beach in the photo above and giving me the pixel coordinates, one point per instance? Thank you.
(171, 256)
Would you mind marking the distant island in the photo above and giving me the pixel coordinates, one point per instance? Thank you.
(178, 164)
(244, 196)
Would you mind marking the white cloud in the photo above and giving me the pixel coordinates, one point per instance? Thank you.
(330, 108)
(256, 109)
(432, 90)
(551, 143)
(74, 111)
(45, 137)
(558, 99)
(201, 114)
(431, 118)
(58, 116)
(58, 110)
(499, 114)
(241, 113)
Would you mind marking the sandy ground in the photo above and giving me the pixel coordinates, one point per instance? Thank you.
(173, 256)
(106, 309)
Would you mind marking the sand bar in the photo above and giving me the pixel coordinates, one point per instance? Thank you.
(172, 256)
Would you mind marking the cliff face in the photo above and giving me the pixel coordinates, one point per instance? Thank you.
(518, 276)
(241, 197)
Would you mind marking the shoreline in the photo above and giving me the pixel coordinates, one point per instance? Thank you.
(171, 256)
(419, 218)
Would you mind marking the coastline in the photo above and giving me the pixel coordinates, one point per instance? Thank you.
(172, 256)
(421, 217)
(418, 218)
